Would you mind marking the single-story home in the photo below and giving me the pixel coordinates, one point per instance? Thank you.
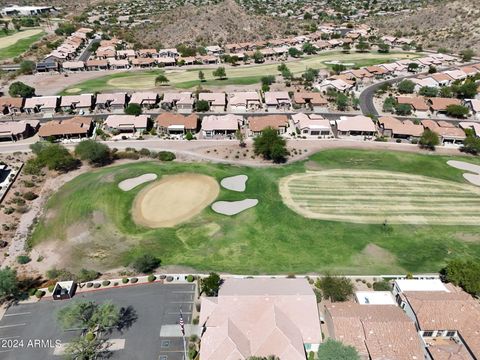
(144, 99)
(97, 64)
(417, 103)
(44, 104)
(76, 127)
(335, 84)
(472, 104)
(126, 123)
(241, 102)
(392, 127)
(18, 130)
(11, 105)
(217, 101)
(277, 100)
(257, 124)
(448, 132)
(311, 101)
(171, 123)
(220, 125)
(118, 64)
(439, 105)
(356, 126)
(77, 103)
(111, 102)
(313, 125)
(73, 65)
(181, 102)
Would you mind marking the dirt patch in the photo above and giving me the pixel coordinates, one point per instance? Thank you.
(374, 256)
(375, 197)
(78, 233)
(174, 199)
(467, 237)
(98, 217)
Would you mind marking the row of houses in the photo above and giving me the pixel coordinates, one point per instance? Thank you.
(349, 79)
(418, 319)
(423, 107)
(183, 102)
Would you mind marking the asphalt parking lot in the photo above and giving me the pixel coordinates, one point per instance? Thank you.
(30, 331)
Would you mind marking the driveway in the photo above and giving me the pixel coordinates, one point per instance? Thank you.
(30, 331)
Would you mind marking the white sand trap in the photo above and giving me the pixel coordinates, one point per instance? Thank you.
(132, 183)
(233, 207)
(462, 165)
(235, 183)
(174, 199)
(472, 178)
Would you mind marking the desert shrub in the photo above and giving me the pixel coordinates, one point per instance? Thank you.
(87, 275)
(89, 336)
(166, 156)
(195, 320)
(31, 292)
(144, 152)
(145, 263)
(115, 283)
(169, 278)
(28, 184)
(126, 155)
(96, 285)
(133, 280)
(105, 283)
(163, 277)
(23, 259)
(381, 286)
(151, 278)
(51, 288)
(39, 293)
(89, 285)
(125, 281)
(190, 278)
(30, 195)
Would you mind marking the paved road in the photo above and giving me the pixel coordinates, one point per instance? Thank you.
(85, 55)
(151, 307)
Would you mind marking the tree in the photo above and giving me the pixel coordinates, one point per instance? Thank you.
(432, 69)
(383, 48)
(342, 102)
(201, 76)
(56, 157)
(464, 273)
(428, 91)
(240, 136)
(270, 145)
(27, 67)
(294, 52)
(458, 111)
(95, 153)
(403, 109)
(471, 145)
(412, 67)
(406, 87)
(309, 49)
(467, 55)
(90, 316)
(19, 89)
(8, 283)
(335, 288)
(429, 140)
(145, 263)
(446, 92)
(211, 284)
(389, 104)
(362, 46)
(161, 80)
(202, 106)
(468, 90)
(84, 348)
(258, 57)
(346, 48)
(133, 109)
(267, 80)
(310, 75)
(338, 68)
(336, 350)
(220, 73)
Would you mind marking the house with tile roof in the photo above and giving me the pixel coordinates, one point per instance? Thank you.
(241, 102)
(171, 123)
(182, 102)
(260, 317)
(126, 123)
(216, 101)
(355, 126)
(216, 126)
(310, 101)
(312, 125)
(398, 129)
(77, 127)
(257, 124)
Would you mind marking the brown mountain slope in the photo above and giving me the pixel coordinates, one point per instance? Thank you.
(454, 25)
(223, 23)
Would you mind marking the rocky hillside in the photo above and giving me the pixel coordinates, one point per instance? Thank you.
(454, 25)
(223, 23)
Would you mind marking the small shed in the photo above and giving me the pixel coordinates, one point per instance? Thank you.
(64, 290)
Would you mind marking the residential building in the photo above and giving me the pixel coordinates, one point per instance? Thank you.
(214, 126)
(11, 105)
(182, 102)
(77, 103)
(311, 101)
(170, 123)
(257, 124)
(126, 123)
(73, 65)
(277, 100)
(111, 102)
(217, 101)
(312, 125)
(438, 106)
(472, 104)
(392, 127)
(447, 132)
(45, 104)
(242, 102)
(17, 130)
(77, 127)
(97, 64)
(335, 84)
(260, 317)
(144, 99)
(356, 126)
(417, 103)
(377, 332)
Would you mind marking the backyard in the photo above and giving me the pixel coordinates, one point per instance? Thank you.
(88, 223)
(240, 75)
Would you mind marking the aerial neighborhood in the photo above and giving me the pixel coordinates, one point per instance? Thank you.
(240, 180)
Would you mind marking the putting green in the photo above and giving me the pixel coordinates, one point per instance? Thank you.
(373, 197)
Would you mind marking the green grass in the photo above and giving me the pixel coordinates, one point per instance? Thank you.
(269, 238)
(187, 77)
(20, 46)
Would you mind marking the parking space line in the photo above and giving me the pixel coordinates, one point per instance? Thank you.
(181, 302)
(24, 313)
(8, 326)
(176, 313)
(183, 292)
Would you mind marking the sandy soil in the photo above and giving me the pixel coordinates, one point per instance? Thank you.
(12, 39)
(235, 183)
(129, 184)
(472, 178)
(174, 199)
(233, 207)
(346, 195)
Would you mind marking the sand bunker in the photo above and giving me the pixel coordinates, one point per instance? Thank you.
(174, 199)
(132, 183)
(472, 178)
(235, 183)
(233, 207)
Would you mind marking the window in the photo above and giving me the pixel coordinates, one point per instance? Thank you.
(163, 357)
(451, 333)
(165, 343)
(427, 333)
